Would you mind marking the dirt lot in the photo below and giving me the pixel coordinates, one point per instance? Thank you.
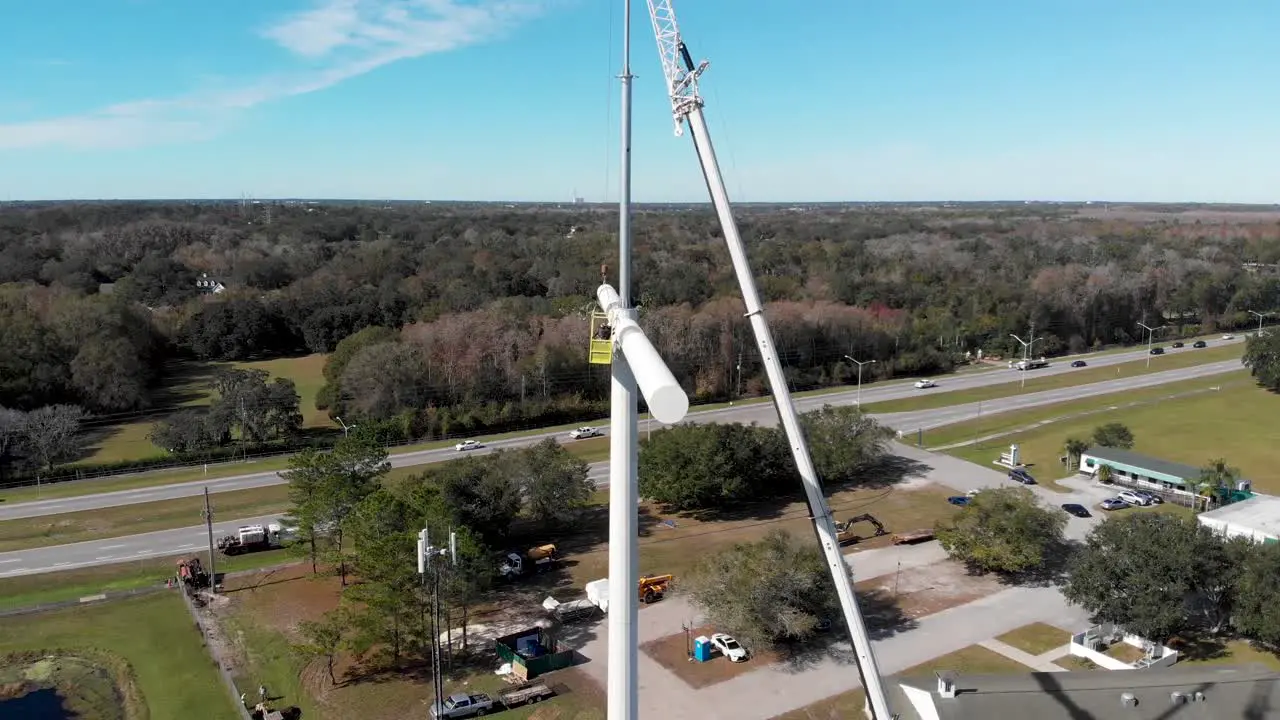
(922, 591)
(672, 653)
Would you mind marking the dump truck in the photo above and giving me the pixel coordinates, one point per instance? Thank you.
(250, 538)
(462, 705)
(536, 559)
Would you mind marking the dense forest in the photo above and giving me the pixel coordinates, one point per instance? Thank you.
(477, 315)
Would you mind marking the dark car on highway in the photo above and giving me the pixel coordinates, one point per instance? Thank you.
(1079, 363)
(1200, 344)
(1077, 509)
(1157, 351)
(1176, 345)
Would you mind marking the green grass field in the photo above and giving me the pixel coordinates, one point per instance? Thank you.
(190, 387)
(154, 634)
(1083, 376)
(1234, 423)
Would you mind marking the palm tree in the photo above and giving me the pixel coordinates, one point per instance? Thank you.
(1217, 475)
(1074, 447)
(1104, 474)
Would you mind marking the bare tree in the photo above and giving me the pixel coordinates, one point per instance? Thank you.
(51, 431)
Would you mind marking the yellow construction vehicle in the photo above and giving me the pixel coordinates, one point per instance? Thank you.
(844, 530)
(653, 587)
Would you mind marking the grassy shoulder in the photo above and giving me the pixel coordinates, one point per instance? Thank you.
(66, 528)
(1192, 429)
(31, 590)
(1083, 376)
(153, 634)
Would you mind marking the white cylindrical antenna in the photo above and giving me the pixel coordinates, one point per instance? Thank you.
(453, 547)
(422, 552)
(667, 401)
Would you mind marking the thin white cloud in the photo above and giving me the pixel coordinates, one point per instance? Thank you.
(337, 39)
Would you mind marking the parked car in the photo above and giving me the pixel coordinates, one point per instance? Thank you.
(1200, 344)
(1021, 476)
(922, 384)
(1151, 498)
(960, 500)
(1114, 503)
(468, 445)
(1157, 351)
(585, 432)
(1135, 498)
(729, 647)
(1079, 363)
(1076, 509)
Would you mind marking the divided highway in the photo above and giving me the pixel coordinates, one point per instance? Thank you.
(762, 413)
(170, 542)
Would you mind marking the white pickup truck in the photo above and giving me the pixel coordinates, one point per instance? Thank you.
(585, 432)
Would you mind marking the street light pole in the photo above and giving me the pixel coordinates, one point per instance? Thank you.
(1151, 334)
(1260, 317)
(1026, 353)
(346, 429)
(859, 364)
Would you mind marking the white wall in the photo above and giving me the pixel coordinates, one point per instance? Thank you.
(1164, 658)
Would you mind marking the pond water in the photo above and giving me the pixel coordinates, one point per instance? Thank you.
(45, 704)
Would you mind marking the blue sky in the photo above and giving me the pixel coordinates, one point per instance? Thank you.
(517, 99)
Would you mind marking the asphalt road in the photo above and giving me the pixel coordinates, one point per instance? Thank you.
(762, 413)
(161, 543)
(945, 470)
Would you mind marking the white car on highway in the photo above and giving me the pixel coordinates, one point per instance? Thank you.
(729, 647)
(468, 445)
(585, 432)
(922, 384)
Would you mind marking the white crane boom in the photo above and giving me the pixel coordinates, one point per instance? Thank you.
(686, 105)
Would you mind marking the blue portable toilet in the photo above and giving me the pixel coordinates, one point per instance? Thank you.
(702, 650)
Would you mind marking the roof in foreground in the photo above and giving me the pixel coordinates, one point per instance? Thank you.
(1260, 512)
(1128, 457)
(1235, 693)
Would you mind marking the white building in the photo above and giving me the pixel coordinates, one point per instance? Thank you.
(208, 285)
(1257, 518)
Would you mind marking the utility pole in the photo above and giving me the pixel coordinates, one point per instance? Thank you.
(430, 558)
(738, 395)
(859, 364)
(1026, 353)
(1260, 317)
(208, 522)
(1151, 333)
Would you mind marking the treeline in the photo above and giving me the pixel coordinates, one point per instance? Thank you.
(364, 530)
(352, 521)
(488, 306)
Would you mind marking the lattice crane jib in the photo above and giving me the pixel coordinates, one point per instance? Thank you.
(677, 66)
